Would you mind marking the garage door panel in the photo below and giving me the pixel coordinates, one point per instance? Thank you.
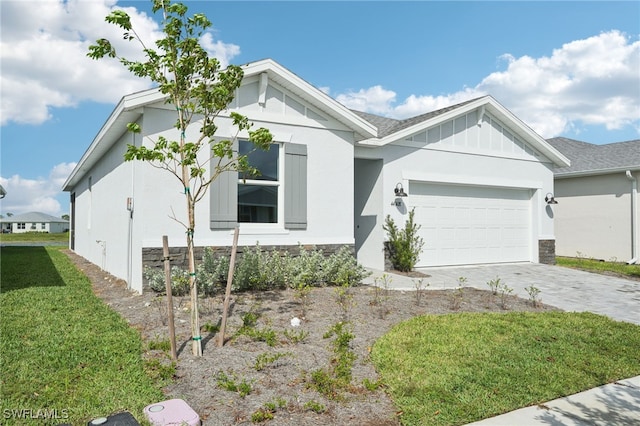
(469, 224)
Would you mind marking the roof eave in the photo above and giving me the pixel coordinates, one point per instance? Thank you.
(596, 172)
(128, 110)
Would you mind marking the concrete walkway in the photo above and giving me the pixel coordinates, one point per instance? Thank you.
(571, 290)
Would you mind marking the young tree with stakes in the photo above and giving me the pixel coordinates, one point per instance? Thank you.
(200, 90)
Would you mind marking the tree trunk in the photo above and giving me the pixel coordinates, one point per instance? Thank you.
(195, 319)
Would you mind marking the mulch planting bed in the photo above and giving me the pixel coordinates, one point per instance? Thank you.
(280, 375)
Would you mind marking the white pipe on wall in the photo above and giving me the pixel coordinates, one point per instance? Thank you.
(634, 218)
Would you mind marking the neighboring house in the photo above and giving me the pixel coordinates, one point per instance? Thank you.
(597, 215)
(476, 175)
(34, 222)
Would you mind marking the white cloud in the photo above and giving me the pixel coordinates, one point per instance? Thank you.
(44, 64)
(595, 81)
(375, 99)
(225, 52)
(36, 195)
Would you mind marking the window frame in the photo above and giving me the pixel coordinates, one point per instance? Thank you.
(279, 184)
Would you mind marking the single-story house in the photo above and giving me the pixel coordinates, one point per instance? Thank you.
(34, 222)
(475, 174)
(597, 215)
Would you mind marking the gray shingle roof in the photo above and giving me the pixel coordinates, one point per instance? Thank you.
(33, 217)
(588, 158)
(387, 126)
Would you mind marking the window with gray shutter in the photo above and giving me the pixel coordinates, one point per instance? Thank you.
(254, 200)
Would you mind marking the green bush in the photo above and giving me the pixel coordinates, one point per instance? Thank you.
(179, 280)
(405, 245)
(257, 269)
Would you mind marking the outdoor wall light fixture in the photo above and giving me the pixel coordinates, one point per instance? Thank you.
(550, 199)
(399, 190)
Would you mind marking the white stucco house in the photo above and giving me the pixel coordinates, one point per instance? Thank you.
(476, 175)
(597, 215)
(34, 222)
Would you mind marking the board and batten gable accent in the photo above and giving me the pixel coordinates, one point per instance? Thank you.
(485, 135)
(259, 94)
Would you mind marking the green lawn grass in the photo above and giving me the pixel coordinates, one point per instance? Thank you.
(594, 265)
(459, 368)
(35, 237)
(63, 351)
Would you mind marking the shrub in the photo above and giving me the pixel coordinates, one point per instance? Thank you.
(405, 245)
(179, 280)
(257, 269)
(342, 268)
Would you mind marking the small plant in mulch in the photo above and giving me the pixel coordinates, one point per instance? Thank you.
(295, 336)
(344, 299)
(381, 294)
(504, 292)
(233, 384)
(457, 296)
(337, 378)
(419, 286)
(302, 290)
(267, 359)
(249, 328)
(314, 406)
(494, 285)
(534, 296)
(268, 411)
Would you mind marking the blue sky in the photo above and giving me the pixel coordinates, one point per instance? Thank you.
(566, 68)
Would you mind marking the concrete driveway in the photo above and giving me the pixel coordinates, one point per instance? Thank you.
(567, 289)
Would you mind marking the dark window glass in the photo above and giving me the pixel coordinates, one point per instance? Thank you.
(257, 203)
(265, 161)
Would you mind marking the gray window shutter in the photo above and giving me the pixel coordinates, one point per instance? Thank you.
(295, 183)
(224, 199)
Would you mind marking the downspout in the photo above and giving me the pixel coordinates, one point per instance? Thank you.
(634, 218)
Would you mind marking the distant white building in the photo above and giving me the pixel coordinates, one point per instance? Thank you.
(34, 222)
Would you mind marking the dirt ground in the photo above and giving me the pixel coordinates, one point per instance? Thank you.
(280, 374)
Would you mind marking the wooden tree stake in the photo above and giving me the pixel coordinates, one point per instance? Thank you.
(227, 294)
(167, 281)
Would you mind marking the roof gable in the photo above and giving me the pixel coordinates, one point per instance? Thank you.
(486, 106)
(591, 159)
(130, 108)
(33, 217)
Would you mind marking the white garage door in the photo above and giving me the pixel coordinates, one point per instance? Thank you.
(471, 224)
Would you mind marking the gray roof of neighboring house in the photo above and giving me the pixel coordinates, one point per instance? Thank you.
(387, 126)
(587, 158)
(33, 217)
